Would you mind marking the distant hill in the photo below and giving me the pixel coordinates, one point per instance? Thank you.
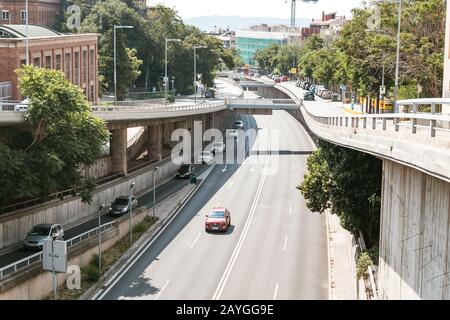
(210, 23)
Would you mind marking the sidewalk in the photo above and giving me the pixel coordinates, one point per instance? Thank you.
(342, 263)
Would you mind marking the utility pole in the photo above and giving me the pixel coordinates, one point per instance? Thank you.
(398, 52)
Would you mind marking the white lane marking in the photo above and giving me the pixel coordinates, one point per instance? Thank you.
(290, 210)
(225, 169)
(195, 241)
(275, 293)
(238, 247)
(138, 254)
(162, 289)
(285, 243)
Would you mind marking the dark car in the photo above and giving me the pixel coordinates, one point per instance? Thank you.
(308, 96)
(185, 171)
(121, 205)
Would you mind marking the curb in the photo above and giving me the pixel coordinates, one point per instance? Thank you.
(150, 235)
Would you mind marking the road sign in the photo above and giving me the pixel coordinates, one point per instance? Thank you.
(382, 90)
(59, 255)
(293, 70)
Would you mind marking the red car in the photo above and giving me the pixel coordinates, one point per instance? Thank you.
(219, 219)
(284, 79)
(277, 80)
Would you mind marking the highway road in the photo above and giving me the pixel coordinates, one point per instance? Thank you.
(275, 248)
(162, 192)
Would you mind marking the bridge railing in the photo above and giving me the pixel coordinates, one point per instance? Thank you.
(156, 108)
(389, 121)
(36, 257)
(261, 101)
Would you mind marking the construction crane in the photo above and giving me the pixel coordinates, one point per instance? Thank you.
(294, 7)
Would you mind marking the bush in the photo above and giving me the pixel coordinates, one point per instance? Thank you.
(171, 99)
(92, 273)
(364, 262)
(139, 228)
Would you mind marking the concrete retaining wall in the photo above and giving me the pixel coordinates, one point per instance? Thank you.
(414, 241)
(36, 284)
(14, 226)
(101, 168)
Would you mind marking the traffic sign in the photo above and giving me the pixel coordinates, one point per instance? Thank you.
(57, 257)
(382, 90)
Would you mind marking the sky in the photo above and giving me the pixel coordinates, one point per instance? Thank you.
(257, 8)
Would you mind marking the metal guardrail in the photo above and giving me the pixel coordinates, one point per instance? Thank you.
(25, 262)
(261, 101)
(10, 105)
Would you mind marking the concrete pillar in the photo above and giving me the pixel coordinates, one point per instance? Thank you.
(118, 148)
(155, 142)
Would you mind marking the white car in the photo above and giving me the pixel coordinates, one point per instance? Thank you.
(23, 106)
(206, 157)
(233, 134)
(218, 147)
(239, 124)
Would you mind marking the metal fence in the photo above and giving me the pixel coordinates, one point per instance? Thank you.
(37, 257)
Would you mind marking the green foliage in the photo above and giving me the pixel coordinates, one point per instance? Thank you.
(64, 136)
(139, 228)
(92, 271)
(364, 262)
(349, 183)
(145, 67)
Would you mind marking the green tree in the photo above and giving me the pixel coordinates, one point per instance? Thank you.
(64, 136)
(349, 183)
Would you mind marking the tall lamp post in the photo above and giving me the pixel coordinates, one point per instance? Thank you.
(166, 79)
(115, 58)
(100, 237)
(154, 190)
(195, 69)
(130, 203)
(397, 64)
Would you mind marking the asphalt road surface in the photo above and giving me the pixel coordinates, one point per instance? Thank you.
(162, 192)
(275, 248)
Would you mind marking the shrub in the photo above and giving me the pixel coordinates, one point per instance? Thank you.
(92, 273)
(362, 264)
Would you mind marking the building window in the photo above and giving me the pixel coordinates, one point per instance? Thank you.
(76, 69)
(68, 65)
(23, 15)
(48, 62)
(58, 62)
(85, 66)
(5, 90)
(37, 62)
(91, 64)
(5, 15)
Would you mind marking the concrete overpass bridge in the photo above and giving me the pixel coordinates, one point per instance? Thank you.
(415, 214)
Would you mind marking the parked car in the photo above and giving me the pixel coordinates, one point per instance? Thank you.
(307, 86)
(219, 219)
(35, 238)
(185, 171)
(233, 134)
(312, 88)
(278, 80)
(326, 94)
(319, 93)
(284, 79)
(22, 106)
(206, 157)
(308, 96)
(239, 124)
(298, 83)
(218, 147)
(122, 205)
(211, 93)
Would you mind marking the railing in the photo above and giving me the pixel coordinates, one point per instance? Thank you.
(25, 262)
(262, 101)
(10, 105)
(54, 196)
(387, 121)
(156, 108)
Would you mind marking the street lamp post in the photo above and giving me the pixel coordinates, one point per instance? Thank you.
(26, 32)
(115, 58)
(130, 203)
(397, 64)
(195, 70)
(166, 79)
(173, 84)
(154, 190)
(100, 237)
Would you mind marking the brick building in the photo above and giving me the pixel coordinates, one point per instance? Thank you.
(42, 12)
(73, 54)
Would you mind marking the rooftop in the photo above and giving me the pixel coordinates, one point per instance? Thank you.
(19, 31)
